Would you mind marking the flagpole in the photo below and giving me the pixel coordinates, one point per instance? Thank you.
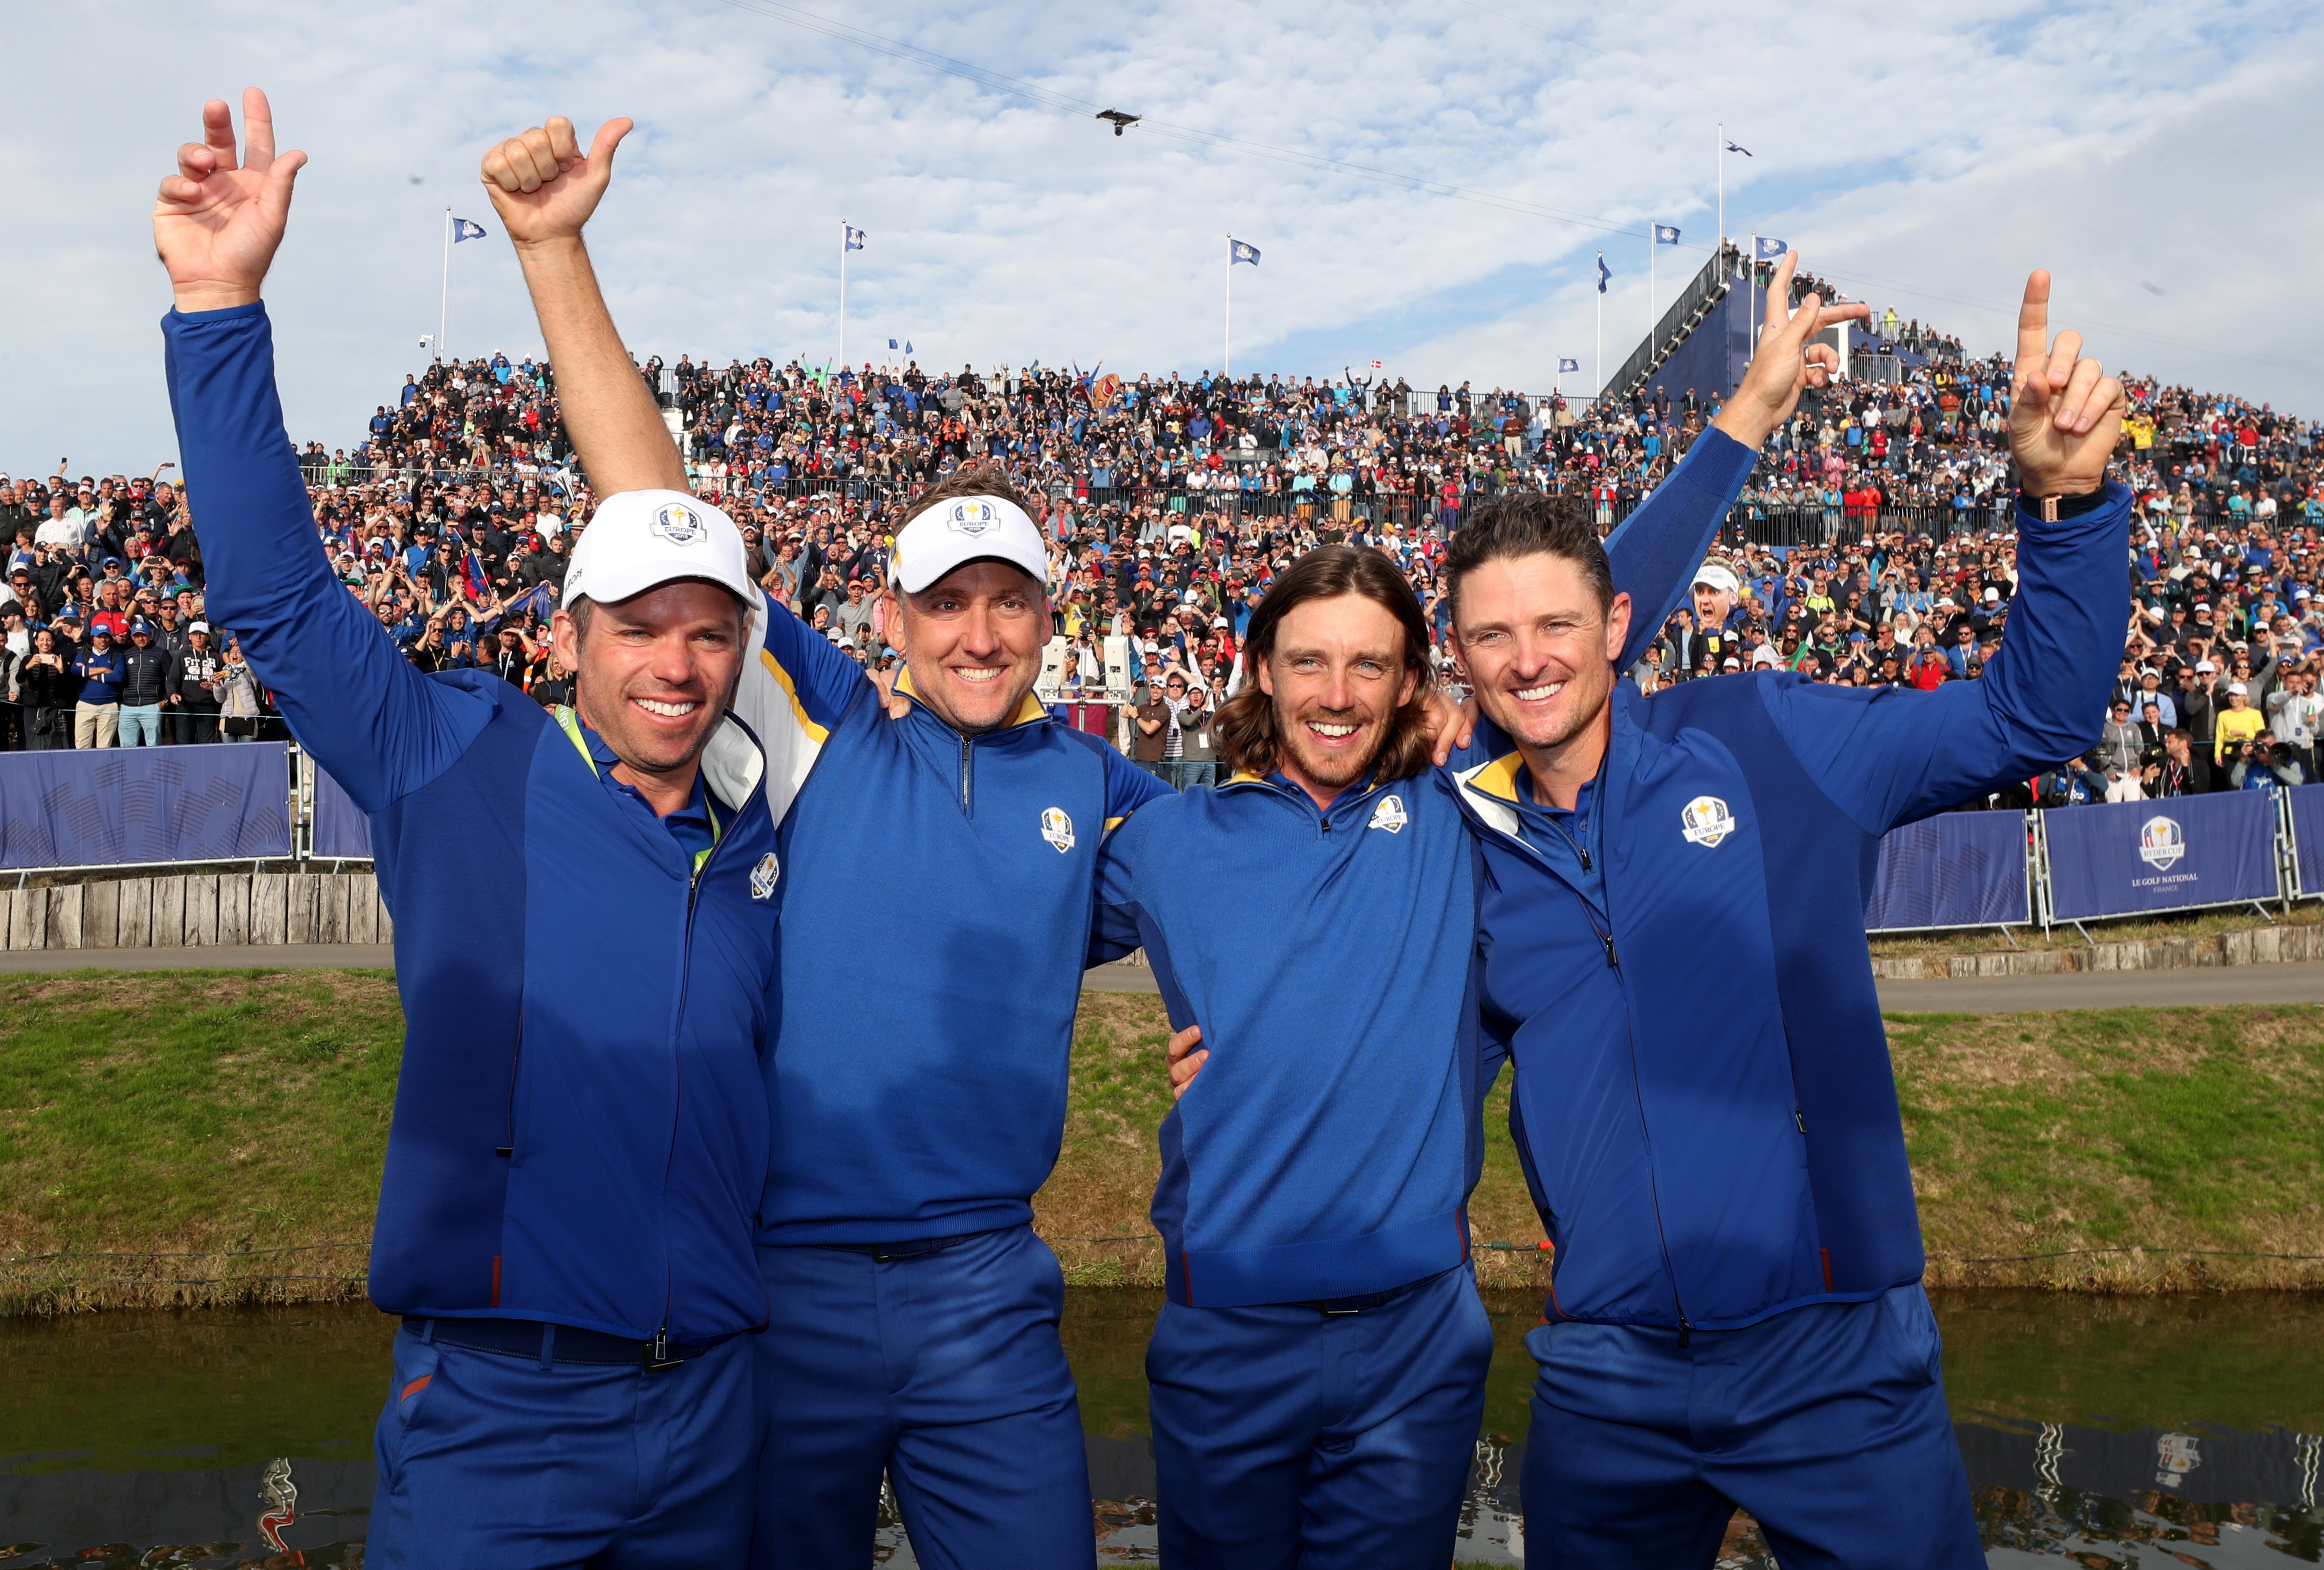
(1226, 354)
(443, 305)
(1650, 289)
(843, 294)
(1722, 194)
(1602, 326)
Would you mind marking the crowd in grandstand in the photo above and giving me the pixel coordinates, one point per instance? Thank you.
(1870, 548)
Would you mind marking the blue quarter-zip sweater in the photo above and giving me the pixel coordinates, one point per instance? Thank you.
(936, 896)
(1703, 1104)
(1329, 1145)
(579, 1135)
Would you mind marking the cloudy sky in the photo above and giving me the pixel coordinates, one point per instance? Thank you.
(1924, 155)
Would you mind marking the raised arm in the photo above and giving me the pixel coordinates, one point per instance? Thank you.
(1888, 757)
(380, 728)
(801, 687)
(1654, 553)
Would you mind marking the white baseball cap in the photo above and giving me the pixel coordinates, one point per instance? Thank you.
(641, 539)
(1719, 576)
(963, 530)
(2237, 689)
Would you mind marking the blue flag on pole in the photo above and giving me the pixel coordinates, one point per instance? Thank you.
(891, 343)
(854, 237)
(1665, 234)
(1241, 251)
(1564, 366)
(1602, 274)
(464, 229)
(907, 346)
(1769, 249)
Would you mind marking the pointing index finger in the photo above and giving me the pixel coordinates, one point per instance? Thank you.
(2033, 322)
(257, 130)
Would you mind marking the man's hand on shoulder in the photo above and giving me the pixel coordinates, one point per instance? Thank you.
(218, 220)
(2065, 414)
(540, 184)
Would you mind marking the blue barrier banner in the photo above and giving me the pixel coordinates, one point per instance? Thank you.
(2308, 834)
(1957, 869)
(342, 829)
(2127, 856)
(145, 806)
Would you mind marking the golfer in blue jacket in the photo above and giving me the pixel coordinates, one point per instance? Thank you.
(1317, 1374)
(580, 1139)
(1671, 901)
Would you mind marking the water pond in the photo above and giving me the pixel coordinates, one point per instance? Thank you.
(2103, 1432)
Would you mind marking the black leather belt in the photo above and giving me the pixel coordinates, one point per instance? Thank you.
(550, 1344)
(910, 1248)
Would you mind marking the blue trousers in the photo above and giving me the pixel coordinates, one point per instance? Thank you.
(944, 1371)
(492, 1461)
(1285, 1436)
(1827, 1423)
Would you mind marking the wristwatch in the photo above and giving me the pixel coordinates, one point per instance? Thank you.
(2050, 509)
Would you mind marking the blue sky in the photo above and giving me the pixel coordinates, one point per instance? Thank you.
(2156, 162)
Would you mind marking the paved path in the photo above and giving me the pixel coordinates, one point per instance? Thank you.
(258, 955)
(2204, 986)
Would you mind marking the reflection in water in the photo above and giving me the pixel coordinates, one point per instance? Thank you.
(2103, 1433)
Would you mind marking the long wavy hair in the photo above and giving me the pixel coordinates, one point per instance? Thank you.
(1244, 731)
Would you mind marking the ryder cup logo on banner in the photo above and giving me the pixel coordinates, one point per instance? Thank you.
(1057, 829)
(1390, 814)
(763, 876)
(1706, 821)
(678, 523)
(974, 519)
(2160, 844)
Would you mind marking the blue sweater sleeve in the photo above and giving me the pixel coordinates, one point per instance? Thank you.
(1889, 756)
(1114, 928)
(380, 727)
(1654, 553)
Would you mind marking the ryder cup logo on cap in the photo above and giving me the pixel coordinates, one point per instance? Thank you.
(678, 523)
(955, 533)
(640, 539)
(975, 517)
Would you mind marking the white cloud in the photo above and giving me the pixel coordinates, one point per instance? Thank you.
(1944, 148)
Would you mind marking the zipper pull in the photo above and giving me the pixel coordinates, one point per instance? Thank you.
(1585, 857)
(1800, 1118)
(1685, 1334)
(1611, 962)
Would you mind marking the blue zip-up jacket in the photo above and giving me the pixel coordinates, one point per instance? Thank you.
(1703, 1104)
(579, 1133)
(1330, 1143)
(937, 894)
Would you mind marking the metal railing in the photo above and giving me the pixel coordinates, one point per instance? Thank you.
(1695, 302)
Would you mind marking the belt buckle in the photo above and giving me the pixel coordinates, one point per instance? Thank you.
(656, 1353)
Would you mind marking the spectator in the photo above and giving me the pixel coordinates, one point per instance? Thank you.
(194, 688)
(45, 686)
(145, 685)
(1198, 764)
(96, 708)
(238, 695)
(1149, 717)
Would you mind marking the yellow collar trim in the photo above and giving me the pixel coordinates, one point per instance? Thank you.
(1499, 778)
(1027, 711)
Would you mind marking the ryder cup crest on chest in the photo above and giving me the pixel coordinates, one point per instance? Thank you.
(1390, 814)
(764, 875)
(1057, 829)
(1705, 821)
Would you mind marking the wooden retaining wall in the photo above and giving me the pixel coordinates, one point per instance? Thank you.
(200, 911)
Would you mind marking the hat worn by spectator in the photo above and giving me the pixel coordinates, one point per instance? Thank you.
(966, 529)
(200, 627)
(2204, 668)
(2237, 689)
(641, 539)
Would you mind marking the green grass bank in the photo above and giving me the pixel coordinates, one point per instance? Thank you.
(200, 1138)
